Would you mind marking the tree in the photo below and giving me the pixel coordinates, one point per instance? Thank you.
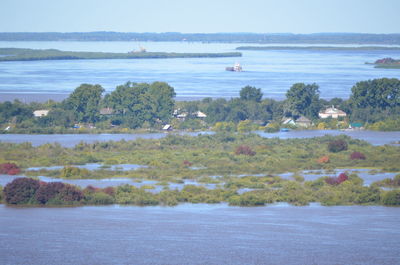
(85, 102)
(251, 93)
(375, 99)
(162, 98)
(302, 99)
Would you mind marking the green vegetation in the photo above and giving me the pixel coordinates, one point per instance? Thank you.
(389, 63)
(19, 54)
(244, 161)
(373, 104)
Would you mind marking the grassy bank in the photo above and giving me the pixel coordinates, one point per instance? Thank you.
(18, 54)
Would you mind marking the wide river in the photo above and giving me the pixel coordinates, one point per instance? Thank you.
(272, 71)
(200, 234)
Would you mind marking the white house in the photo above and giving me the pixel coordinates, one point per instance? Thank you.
(200, 114)
(41, 113)
(332, 112)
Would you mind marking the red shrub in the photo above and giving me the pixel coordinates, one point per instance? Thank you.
(337, 180)
(244, 150)
(9, 169)
(187, 163)
(357, 156)
(323, 159)
(109, 190)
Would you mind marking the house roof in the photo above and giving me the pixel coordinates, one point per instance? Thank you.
(303, 119)
(40, 112)
(200, 114)
(332, 111)
(167, 127)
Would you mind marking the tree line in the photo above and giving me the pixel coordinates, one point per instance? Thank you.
(151, 105)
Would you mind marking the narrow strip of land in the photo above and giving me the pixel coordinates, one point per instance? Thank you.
(18, 54)
(318, 48)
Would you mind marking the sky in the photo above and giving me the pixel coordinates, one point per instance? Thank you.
(201, 16)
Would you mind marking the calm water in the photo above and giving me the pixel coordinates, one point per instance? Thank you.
(70, 140)
(200, 234)
(272, 71)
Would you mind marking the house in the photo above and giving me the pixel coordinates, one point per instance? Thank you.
(167, 127)
(106, 111)
(332, 113)
(40, 113)
(200, 114)
(288, 121)
(303, 122)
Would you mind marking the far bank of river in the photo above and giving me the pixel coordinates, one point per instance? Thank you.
(70, 140)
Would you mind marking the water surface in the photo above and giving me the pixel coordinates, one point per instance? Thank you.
(193, 78)
(200, 234)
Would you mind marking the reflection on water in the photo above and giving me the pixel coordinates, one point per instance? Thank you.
(200, 234)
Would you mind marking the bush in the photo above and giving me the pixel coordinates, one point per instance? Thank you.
(244, 150)
(391, 198)
(9, 169)
(337, 146)
(323, 159)
(70, 193)
(336, 181)
(357, 156)
(99, 198)
(48, 191)
(20, 190)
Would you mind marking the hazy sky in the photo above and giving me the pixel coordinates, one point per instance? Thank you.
(264, 16)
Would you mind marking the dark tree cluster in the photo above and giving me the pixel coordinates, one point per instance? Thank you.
(29, 191)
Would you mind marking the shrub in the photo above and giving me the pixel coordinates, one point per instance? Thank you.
(337, 180)
(20, 190)
(244, 150)
(48, 191)
(99, 198)
(74, 172)
(70, 193)
(187, 163)
(337, 146)
(391, 198)
(323, 159)
(9, 169)
(357, 156)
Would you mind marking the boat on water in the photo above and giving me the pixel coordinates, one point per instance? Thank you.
(236, 68)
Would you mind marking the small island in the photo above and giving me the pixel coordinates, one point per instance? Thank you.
(19, 54)
(388, 63)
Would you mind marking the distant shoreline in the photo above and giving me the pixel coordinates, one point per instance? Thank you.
(21, 54)
(228, 37)
(316, 48)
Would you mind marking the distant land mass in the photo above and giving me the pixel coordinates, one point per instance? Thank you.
(318, 48)
(316, 38)
(18, 54)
